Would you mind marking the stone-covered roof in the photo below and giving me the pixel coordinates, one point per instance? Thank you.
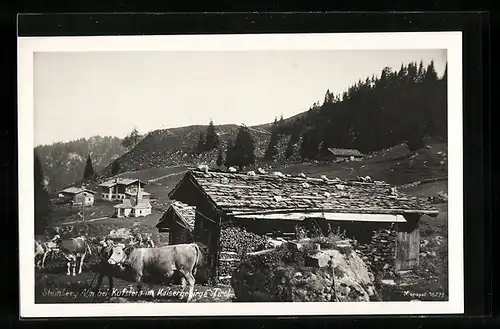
(237, 194)
(345, 152)
(185, 213)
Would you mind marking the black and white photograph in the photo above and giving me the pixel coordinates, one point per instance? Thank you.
(241, 174)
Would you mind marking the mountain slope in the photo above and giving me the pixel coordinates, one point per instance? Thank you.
(176, 146)
(404, 106)
(64, 163)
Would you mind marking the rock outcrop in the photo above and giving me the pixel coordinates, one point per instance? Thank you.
(305, 275)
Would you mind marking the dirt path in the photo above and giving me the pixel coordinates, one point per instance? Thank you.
(87, 221)
(165, 176)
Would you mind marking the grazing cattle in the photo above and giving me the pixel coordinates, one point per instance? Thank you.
(42, 250)
(72, 249)
(39, 254)
(133, 264)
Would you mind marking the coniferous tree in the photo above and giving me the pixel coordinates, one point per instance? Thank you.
(403, 105)
(89, 169)
(229, 153)
(220, 160)
(272, 147)
(132, 139)
(281, 122)
(115, 167)
(243, 150)
(211, 137)
(42, 206)
(430, 74)
(294, 139)
(200, 147)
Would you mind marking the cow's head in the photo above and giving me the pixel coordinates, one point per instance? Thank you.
(119, 254)
(56, 239)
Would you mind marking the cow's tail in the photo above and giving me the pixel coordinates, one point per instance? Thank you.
(199, 256)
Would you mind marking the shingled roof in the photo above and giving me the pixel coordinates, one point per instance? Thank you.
(185, 213)
(76, 190)
(120, 181)
(240, 194)
(345, 152)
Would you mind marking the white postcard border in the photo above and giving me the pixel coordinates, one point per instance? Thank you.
(27, 46)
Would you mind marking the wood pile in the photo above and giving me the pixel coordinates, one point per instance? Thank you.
(379, 254)
(228, 262)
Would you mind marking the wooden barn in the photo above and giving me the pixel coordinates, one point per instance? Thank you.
(275, 204)
(77, 196)
(336, 154)
(178, 221)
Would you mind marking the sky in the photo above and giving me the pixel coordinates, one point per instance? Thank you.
(83, 94)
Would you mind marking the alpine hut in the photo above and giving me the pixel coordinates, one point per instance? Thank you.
(274, 204)
(337, 154)
(178, 221)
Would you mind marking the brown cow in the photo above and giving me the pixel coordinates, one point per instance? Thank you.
(132, 264)
(72, 249)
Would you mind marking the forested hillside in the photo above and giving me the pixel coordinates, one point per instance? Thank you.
(402, 105)
(64, 163)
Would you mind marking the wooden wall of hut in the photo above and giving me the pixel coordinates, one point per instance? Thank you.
(207, 231)
(178, 234)
(408, 243)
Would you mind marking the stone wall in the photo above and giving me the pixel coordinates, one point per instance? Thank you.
(304, 275)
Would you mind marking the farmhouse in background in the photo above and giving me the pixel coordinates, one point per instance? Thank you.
(120, 189)
(344, 154)
(136, 206)
(77, 196)
(178, 220)
(274, 204)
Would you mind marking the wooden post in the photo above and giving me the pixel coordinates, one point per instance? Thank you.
(83, 205)
(217, 228)
(408, 243)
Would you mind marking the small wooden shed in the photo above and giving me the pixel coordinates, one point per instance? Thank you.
(178, 221)
(78, 196)
(337, 154)
(275, 204)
